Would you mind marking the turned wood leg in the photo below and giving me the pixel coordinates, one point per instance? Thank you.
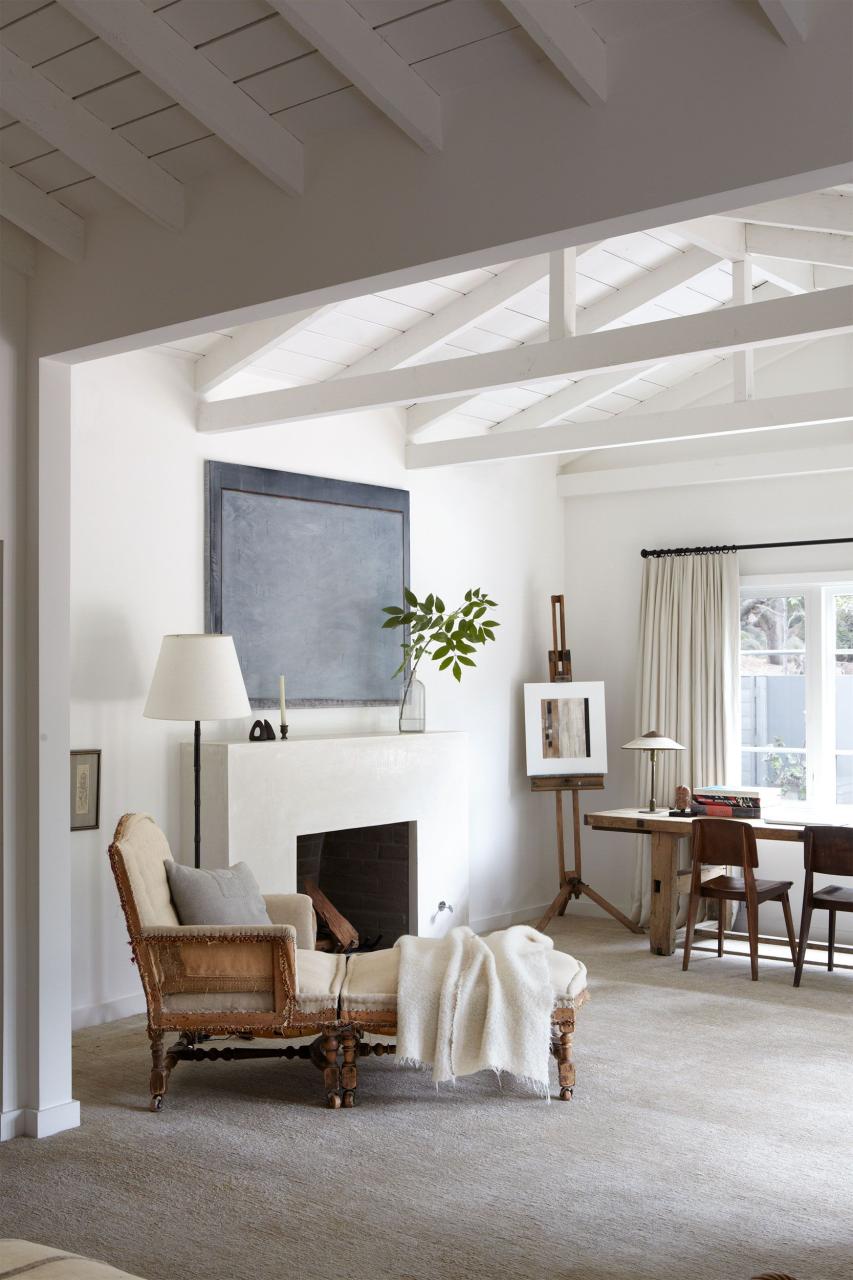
(331, 1072)
(664, 893)
(565, 1065)
(349, 1070)
(161, 1066)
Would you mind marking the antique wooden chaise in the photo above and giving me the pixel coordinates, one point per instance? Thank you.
(368, 1011)
(269, 982)
(264, 981)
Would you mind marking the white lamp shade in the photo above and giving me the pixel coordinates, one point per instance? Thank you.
(197, 677)
(652, 741)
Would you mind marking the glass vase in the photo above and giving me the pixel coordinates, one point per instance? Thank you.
(413, 707)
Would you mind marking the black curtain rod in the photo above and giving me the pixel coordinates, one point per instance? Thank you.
(746, 546)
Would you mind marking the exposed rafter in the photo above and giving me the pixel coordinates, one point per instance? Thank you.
(248, 344)
(572, 398)
(455, 318)
(819, 211)
(708, 382)
(764, 465)
(575, 49)
(733, 239)
(789, 19)
(169, 61)
(627, 431)
(727, 329)
(31, 98)
(678, 270)
(715, 234)
(350, 44)
(801, 246)
(43, 217)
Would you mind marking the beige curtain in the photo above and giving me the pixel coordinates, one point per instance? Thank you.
(687, 681)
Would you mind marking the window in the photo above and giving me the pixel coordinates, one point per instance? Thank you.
(796, 690)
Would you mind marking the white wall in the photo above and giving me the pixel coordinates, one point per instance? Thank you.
(604, 536)
(137, 572)
(13, 331)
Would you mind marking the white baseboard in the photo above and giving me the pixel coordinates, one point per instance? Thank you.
(44, 1122)
(92, 1015)
(486, 924)
(12, 1124)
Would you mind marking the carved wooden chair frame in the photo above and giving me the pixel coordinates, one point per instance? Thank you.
(338, 1042)
(157, 955)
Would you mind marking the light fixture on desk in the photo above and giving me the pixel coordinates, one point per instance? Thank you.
(197, 677)
(653, 742)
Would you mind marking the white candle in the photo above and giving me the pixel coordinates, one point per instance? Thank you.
(281, 699)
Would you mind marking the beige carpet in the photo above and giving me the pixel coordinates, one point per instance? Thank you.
(710, 1138)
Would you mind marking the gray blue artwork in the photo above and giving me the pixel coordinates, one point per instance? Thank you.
(298, 570)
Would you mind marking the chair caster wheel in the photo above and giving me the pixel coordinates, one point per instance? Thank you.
(349, 1098)
(156, 1103)
(334, 1101)
(566, 1095)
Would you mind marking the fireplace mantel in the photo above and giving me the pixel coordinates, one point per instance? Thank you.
(257, 797)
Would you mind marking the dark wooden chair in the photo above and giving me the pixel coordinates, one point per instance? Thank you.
(829, 852)
(727, 842)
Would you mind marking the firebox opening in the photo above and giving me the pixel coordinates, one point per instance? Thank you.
(364, 872)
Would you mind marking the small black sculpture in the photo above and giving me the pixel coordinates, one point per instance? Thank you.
(262, 731)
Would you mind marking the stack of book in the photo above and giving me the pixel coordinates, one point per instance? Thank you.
(726, 802)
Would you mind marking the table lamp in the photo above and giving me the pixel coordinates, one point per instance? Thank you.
(197, 677)
(653, 742)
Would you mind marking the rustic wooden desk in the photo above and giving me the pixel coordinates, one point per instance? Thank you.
(668, 880)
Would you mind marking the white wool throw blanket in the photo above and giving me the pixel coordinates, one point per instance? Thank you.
(468, 1004)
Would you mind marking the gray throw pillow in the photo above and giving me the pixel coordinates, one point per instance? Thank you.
(229, 896)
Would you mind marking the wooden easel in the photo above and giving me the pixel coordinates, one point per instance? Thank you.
(572, 884)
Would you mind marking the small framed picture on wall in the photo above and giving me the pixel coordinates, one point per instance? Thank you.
(85, 790)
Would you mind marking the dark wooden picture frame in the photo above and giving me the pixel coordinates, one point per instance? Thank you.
(85, 793)
(298, 569)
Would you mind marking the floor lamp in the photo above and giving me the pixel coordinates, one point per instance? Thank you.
(197, 678)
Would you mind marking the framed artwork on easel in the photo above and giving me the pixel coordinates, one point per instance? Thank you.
(565, 728)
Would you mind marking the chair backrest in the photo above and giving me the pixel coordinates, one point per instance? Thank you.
(724, 842)
(829, 850)
(139, 853)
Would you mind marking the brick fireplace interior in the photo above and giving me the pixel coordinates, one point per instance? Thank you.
(364, 871)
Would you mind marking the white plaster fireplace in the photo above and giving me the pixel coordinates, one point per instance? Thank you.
(257, 797)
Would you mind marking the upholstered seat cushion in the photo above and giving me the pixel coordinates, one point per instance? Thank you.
(319, 978)
(38, 1260)
(371, 981)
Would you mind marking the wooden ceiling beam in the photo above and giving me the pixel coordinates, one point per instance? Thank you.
(249, 344)
(669, 275)
(352, 46)
(819, 211)
(43, 217)
(167, 60)
(624, 431)
(571, 44)
(53, 115)
(765, 464)
(801, 246)
(726, 329)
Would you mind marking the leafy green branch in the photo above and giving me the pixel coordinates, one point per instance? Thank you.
(448, 636)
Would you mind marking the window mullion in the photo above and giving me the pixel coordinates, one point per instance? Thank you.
(818, 707)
